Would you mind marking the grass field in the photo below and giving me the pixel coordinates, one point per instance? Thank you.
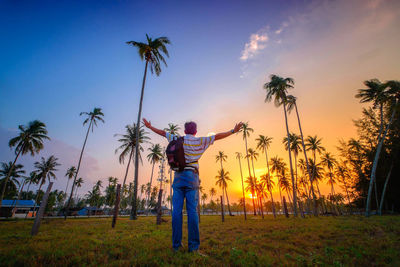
(312, 241)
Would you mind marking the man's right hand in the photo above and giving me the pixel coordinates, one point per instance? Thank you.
(146, 123)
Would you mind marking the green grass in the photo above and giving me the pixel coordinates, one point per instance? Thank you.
(313, 241)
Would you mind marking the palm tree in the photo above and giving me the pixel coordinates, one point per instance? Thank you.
(252, 154)
(152, 52)
(292, 103)
(69, 174)
(343, 172)
(269, 185)
(222, 182)
(222, 157)
(128, 143)
(263, 143)
(391, 97)
(13, 175)
(204, 198)
(278, 167)
(92, 118)
(239, 156)
(314, 144)
(154, 156)
(317, 173)
(295, 148)
(329, 162)
(33, 178)
(277, 88)
(45, 169)
(78, 183)
(172, 129)
(252, 186)
(213, 192)
(30, 140)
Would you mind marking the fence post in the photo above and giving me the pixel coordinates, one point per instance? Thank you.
(116, 208)
(222, 209)
(39, 215)
(285, 207)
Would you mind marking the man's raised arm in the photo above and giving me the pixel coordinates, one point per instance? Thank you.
(236, 129)
(154, 129)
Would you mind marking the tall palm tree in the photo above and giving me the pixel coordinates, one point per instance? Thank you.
(342, 171)
(128, 144)
(314, 144)
(172, 129)
(239, 156)
(329, 162)
(92, 118)
(295, 148)
(269, 185)
(278, 167)
(69, 174)
(222, 182)
(33, 178)
(277, 89)
(78, 183)
(30, 140)
(154, 157)
(252, 187)
(292, 103)
(13, 173)
(252, 154)
(213, 192)
(152, 52)
(222, 157)
(391, 97)
(45, 169)
(246, 130)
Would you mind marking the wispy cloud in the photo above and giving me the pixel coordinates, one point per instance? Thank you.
(256, 43)
(283, 26)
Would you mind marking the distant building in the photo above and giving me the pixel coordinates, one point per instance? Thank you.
(22, 207)
(90, 211)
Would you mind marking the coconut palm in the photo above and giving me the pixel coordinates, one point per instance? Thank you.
(329, 162)
(239, 156)
(391, 97)
(128, 143)
(33, 178)
(45, 169)
(222, 157)
(13, 173)
(29, 140)
(268, 184)
(172, 129)
(78, 184)
(252, 187)
(154, 157)
(295, 142)
(92, 118)
(314, 144)
(277, 89)
(342, 171)
(69, 174)
(252, 154)
(213, 192)
(292, 103)
(152, 52)
(317, 173)
(222, 182)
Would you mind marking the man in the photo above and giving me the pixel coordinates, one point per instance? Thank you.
(186, 183)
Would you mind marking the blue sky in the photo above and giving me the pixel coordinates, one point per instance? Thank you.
(61, 58)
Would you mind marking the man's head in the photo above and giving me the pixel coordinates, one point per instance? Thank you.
(190, 128)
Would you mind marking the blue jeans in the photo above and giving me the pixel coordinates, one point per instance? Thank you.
(185, 186)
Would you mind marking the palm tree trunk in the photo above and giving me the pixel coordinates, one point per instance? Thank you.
(248, 165)
(273, 205)
(127, 168)
(384, 189)
(66, 188)
(77, 171)
(315, 210)
(19, 197)
(291, 167)
(375, 164)
(133, 215)
(376, 194)
(37, 196)
(227, 201)
(151, 181)
(244, 199)
(8, 176)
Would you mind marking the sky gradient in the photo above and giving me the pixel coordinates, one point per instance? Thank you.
(61, 58)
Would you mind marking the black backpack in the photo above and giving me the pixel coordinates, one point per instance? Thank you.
(176, 154)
